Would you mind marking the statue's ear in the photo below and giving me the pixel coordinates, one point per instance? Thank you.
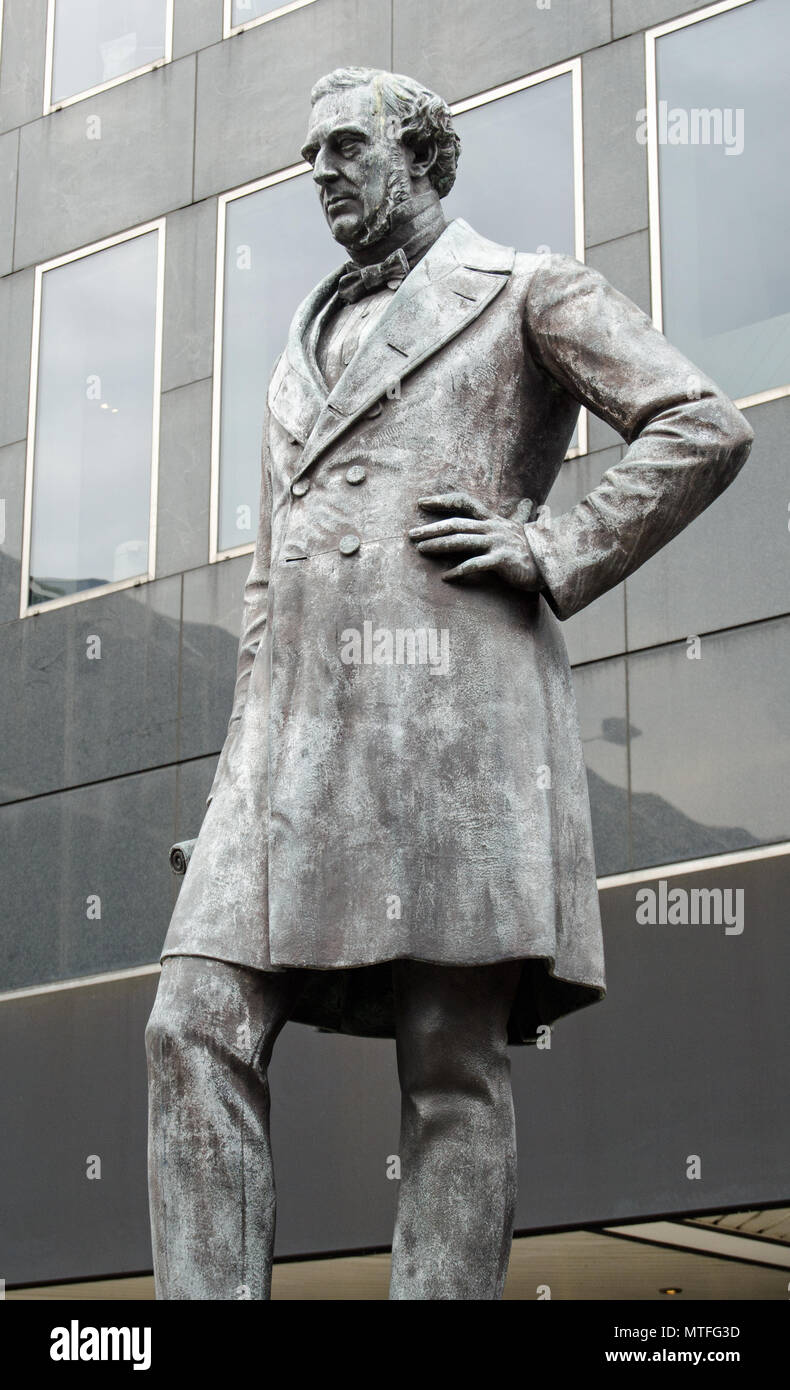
(422, 157)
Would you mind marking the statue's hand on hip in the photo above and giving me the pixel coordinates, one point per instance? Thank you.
(493, 544)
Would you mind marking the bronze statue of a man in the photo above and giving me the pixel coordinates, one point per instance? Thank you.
(383, 853)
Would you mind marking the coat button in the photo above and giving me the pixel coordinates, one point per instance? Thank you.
(355, 474)
(300, 487)
(347, 545)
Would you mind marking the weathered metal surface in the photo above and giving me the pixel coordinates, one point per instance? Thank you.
(400, 807)
(343, 787)
(211, 1179)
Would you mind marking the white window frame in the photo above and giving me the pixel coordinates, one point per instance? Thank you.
(293, 171)
(50, 106)
(25, 608)
(654, 208)
(574, 67)
(229, 29)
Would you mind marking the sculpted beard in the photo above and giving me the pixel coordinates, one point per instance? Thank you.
(389, 212)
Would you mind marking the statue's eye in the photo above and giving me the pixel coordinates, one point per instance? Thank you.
(348, 148)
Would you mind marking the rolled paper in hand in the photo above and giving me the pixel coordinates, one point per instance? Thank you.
(180, 856)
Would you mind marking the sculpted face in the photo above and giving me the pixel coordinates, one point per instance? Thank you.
(363, 172)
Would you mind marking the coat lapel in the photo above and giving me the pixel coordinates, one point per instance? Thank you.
(439, 298)
(298, 392)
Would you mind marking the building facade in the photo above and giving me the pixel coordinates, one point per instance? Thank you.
(157, 229)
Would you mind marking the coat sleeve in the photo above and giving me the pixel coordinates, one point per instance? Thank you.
(687, 440)
(253, 623)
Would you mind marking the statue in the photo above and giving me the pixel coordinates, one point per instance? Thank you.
(397, 841)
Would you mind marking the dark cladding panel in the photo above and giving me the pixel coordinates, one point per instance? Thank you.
(708, 744)
(686, 1056)
(87, 886)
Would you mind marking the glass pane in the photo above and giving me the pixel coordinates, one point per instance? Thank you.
(97, 40)
(601, 700)
(277, 248)
(242, 11)
(724, 109)
(710, 745)
(94, 420)
(515, 174)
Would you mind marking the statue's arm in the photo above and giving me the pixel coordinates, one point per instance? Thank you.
(253, 623)
(687, 440)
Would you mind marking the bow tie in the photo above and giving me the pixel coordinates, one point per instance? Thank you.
(359, 280)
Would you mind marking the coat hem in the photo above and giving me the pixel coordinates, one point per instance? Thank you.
(357, 1000)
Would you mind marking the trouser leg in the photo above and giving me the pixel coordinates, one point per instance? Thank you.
(458, 1183)
(211, 1183)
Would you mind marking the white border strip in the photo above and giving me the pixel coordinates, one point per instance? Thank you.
(292, 172)
(654, 197)
(49, 63)
(677, 870)
(694, 866)
(458, 108)
(706, 1240)
(25, 609)
(84, 981)
(228, 30)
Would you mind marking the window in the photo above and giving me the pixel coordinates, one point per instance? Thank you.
(243, 14)
(276, 248)
(94, 411)
(92, 44)
(520, 172)
(516, 171)
(718, 110)
(273, 247)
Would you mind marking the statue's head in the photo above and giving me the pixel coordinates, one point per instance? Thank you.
(377, 142)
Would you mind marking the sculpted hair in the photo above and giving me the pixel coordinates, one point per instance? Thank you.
(422, 115)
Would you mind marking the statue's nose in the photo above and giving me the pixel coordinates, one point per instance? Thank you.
(323, 173)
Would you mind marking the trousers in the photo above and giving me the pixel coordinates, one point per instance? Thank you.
(209, 1041)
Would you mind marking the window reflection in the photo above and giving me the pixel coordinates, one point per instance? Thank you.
(242, 11)
(277, 248)
(94, 420)
(515, 175)
(96, 41)
(725, 203)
